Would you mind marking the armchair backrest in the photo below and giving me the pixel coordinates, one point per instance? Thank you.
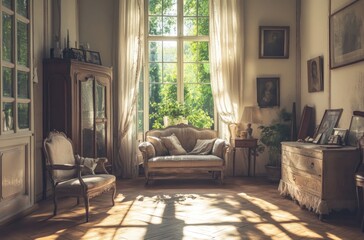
(59, 150)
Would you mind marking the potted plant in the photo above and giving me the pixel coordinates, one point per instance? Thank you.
(272, 136)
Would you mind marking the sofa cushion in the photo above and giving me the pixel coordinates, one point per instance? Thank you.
(186, 161)
(173, 145)
(159, 147)
(203, 146)
(218, 147)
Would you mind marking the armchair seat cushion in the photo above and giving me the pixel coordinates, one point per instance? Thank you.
(186, 161)
(92, 182)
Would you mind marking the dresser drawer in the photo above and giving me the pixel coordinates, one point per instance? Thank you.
(303, 163)
(303, 181)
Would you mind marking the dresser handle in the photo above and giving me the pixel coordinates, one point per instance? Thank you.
(312, 165)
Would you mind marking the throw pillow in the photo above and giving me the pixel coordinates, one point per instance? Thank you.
(88, 163)
(160, 148)
(218, 147)
(173, 145)
(203, 146)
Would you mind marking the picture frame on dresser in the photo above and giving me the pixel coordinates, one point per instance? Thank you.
(356, 130)
(328, 123)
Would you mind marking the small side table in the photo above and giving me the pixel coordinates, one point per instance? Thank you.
(251, 144)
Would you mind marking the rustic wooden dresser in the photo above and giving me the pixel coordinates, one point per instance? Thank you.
(319, 177)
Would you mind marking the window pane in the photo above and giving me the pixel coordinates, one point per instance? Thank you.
(190, 52)
(170, 26)
(155, 51)
(23, 85)
(190, 73)
(7, 3)
(203, 26)
(7, 82)
(203, 51)
(169, 72)
(7, 38)
(8, 116)
(141, 123)
(170, 8)
(169, 51)
(23, 50)
(23, 115)
(203, 73)
(155, 26)
(155, 72)
(189, 8)
(203, 7)
(190, 26)
(22, 7)
(155, 7)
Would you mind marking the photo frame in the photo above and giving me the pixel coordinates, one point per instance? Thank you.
(273, 42)
(342, 132)
(93, 57)
(268, 92)
(328, 123)
(347, 35)
(77, 54)
(356, 130)
(315, 74)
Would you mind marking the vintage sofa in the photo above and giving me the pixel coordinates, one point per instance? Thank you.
(202, 150)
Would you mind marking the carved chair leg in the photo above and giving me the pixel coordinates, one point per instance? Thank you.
(222, 177)
(113, 194)
(87, 203)
(359, 195)
(55, 200)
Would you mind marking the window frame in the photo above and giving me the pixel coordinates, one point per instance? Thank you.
(180, 39)
(17, 67)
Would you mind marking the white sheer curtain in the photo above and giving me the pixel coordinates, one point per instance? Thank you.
(129, 54)
(226, 58)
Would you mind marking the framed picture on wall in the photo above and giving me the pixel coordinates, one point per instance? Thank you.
(347, 35)
(273, 42)
(315, 74)
(268, 91)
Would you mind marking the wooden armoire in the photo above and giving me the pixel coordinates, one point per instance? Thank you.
(77, 101)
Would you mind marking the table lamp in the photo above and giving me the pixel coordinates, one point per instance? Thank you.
(251, 115)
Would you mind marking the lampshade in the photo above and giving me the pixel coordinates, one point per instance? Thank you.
(252, 114)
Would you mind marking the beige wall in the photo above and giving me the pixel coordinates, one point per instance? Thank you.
(267, 13)
(343, 87)
(96, 20)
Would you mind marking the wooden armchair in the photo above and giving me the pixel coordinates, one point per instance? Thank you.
(64, 169)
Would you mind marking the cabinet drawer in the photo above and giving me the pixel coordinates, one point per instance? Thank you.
(303, 181)
(303, 163)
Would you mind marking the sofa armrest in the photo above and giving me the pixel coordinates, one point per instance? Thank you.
(220, 148)
(147, 150)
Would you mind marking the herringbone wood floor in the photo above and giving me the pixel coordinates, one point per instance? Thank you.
(242, 208)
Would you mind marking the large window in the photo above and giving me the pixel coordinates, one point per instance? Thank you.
(177, 70)
(15, 66)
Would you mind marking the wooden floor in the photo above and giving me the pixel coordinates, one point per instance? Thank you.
(242, 208)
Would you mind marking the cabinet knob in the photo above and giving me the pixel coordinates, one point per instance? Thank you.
(312, 165)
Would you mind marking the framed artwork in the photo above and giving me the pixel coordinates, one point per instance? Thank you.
(93, 57)
(342, 133)
(268, 91)
(328, 123)
(347, 35)
(315, 74)
(273, 42)
(356, 130)
(77, 54)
